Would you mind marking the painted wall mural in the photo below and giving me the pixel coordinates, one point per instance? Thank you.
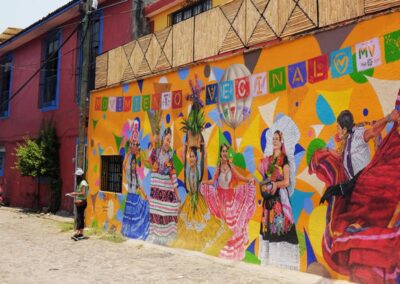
(232, 157)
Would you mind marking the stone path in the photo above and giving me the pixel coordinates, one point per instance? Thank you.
(33, 250)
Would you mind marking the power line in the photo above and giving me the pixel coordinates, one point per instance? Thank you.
(33, 65)
(111, 5)
(41, 68)
(22, 68)
(64, 114)
(51, 57)
(73, 23)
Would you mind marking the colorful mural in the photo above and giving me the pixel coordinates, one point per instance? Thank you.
(260, 117)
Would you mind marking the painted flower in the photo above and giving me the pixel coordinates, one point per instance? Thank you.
(155, 167)
(264, 217)
(273, 228)
(288, 224)
(278, 208)
(271, 217)
(279, 223)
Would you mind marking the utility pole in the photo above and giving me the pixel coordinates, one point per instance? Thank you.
(84, 81)
(140, 25)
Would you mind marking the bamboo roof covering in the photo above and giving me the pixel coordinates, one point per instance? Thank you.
(227, 28)
(9, 33)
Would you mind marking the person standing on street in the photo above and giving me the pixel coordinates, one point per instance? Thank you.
(80, 195)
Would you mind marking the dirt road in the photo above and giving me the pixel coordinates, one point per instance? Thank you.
(34, 250)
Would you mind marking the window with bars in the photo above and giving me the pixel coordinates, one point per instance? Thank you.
(5, 85)
(111, 173)
(49, 75)
(191, 11)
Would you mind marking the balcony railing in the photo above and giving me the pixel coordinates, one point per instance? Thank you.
(233, 26)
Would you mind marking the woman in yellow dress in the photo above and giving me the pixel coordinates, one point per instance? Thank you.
(198, 229)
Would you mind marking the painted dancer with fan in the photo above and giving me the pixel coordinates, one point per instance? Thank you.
(353, 147)
(362, 235)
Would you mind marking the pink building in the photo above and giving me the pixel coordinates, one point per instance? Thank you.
(29, 97)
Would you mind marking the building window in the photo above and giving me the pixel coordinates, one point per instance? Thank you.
(190, 11)
(96, 22)
(2, 162)
(49, 78)
(111, 173)
(5, 85)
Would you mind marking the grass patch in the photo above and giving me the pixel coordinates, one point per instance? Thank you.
(66, 226)
(110, 235)
(115, 237)
(94, 223)
(93, 231)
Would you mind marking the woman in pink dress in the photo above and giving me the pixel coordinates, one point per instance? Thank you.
(230, 202)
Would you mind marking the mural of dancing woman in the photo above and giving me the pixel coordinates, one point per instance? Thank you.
(231, 202)
(135, 222)
(198, 229)
(164, 197)
(362, 234)
(279, 245)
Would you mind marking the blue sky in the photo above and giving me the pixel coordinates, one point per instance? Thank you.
(22, 13)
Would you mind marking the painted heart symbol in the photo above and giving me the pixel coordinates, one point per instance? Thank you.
(341, 62)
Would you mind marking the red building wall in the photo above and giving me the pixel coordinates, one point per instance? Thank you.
(117, 28)
(25, 117)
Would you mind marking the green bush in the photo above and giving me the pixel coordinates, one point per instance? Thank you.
(40, 158)
(30, 158)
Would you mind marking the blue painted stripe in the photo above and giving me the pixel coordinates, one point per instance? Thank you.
(9, 56)
(3, 156)
(11, 81)
(58, 69)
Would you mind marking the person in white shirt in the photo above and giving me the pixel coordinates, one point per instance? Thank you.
(80, 195)
(353, 146)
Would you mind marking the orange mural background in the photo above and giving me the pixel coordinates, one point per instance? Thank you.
(369, 96)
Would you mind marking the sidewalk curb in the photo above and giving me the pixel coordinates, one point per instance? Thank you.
(280, 274)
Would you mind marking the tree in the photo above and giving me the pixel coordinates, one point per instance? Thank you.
(30, 158)
(49, 144)
(39, 158)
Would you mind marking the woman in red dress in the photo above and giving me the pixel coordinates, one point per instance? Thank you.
(362, 236)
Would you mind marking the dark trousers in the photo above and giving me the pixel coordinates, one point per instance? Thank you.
(80, 215)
